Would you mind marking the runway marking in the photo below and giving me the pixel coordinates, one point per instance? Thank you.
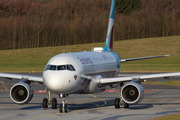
(99, 99)
(89, 103)
(73, 110)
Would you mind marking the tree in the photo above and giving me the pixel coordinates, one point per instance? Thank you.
(127, 6)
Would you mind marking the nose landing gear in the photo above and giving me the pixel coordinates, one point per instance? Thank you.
(63, 107)
(47, 101)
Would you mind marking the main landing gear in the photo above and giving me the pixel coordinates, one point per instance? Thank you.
(63, 107)
(48, 101)
(52, 102)
(119, 102)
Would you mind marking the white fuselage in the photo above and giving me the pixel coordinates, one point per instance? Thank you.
(62, 74)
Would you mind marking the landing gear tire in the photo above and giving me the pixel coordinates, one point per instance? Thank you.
(54, 103)
(45, 103)
(126, 105)
(60, 108)
(117, 101)
(65, 109)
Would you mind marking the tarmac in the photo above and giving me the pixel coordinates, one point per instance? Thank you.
(159, 100)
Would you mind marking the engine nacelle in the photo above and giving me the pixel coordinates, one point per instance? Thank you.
(21, 93)
(93, 85)
(132, 93)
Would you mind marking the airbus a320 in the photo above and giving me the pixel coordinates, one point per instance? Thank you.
(85, 72)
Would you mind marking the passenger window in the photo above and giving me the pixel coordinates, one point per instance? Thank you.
(61, 67)
(70, 67)
(52, 67)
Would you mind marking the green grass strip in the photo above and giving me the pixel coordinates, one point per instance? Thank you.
(35, 59)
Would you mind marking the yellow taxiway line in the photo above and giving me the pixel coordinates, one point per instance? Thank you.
(73, 110)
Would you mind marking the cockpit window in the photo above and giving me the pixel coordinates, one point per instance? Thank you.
(46, 68)
(52, 67)
(70, 67)
(59, 67)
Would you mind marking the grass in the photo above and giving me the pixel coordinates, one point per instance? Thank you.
(169, 117)
(35, 59)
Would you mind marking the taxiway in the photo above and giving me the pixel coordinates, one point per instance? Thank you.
(161, 100)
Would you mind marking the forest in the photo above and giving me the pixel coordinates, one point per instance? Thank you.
(44, 23)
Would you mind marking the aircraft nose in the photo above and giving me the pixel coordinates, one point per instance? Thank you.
(55, 81)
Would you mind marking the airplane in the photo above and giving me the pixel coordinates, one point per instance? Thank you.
(85, 72)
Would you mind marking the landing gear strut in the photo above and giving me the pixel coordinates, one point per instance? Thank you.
(48, 101)
(63, 107)
(126, 105)
(120, 101)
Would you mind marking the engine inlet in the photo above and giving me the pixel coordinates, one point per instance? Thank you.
(130, 93)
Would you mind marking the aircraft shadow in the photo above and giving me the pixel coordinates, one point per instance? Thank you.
(89, 105)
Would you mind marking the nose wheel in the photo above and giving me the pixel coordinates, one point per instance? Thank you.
(47, 101)
(63, 107)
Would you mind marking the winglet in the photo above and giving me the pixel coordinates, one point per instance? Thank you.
(109, 36)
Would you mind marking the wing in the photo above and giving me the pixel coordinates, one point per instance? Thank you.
(19, 76)
(141, 58)
(136, 78)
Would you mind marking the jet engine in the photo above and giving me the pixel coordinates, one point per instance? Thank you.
(132, 93)
(21, 93)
